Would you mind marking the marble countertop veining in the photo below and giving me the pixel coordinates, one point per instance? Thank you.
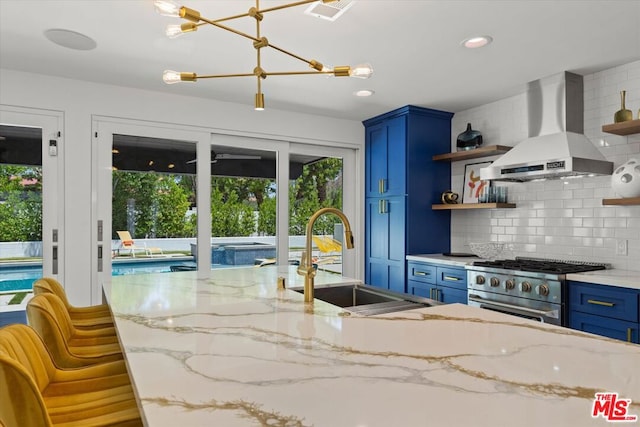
(232, 350)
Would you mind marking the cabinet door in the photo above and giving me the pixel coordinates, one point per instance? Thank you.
(376, 159)
(452, 277)
(385, 243)
(451, 295)
(421, 272)
(385, 157)
(602, 300)
(421, 289)
(604, 326)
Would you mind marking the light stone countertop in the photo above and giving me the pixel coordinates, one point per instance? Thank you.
(442, 259)
(232, 350)
(613, 277)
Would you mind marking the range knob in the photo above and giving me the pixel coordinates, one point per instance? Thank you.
(480, 280)
(510, 284)
(525, 287)
(543, 290)
(495, 282)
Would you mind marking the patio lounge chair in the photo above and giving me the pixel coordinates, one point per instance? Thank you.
(127, 243)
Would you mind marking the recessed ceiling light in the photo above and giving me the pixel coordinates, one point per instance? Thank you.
(70, 39)
(363, 92)
(476, 42)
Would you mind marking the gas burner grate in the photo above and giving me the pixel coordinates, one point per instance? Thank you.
(540, 265)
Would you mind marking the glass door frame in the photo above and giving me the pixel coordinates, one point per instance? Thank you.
(351, 204)
(103, 130)
(53, 233)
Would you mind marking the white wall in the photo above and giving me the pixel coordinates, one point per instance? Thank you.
(80, 100)
(553, 219)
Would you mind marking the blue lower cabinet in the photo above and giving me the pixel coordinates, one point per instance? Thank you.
(444, 284)
(609, 311)
(421, 289)
(604, 326)
(451, 295)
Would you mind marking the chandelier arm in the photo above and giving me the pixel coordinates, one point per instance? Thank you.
(295, 73)
(291, 54)
(217, 76)
(224, 27)
(259, 78)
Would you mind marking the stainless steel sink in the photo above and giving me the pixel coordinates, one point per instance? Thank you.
(368, 300)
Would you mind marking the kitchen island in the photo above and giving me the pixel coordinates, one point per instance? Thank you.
(233, 350)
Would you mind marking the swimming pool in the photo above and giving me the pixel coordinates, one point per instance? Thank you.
(21, 277)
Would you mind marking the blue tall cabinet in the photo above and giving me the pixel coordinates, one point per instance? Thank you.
(401, 184)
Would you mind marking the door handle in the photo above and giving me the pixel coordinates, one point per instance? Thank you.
(551, 313)
(384, 206)
(451, 278)
(629, 330)
(381, 185)
(380, 206)
(54, 260)
(99, 258)
(604, 303)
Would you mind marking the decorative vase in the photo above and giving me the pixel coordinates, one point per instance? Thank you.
(469, 139)
(449, 198)
(625, 180)
(622, 115)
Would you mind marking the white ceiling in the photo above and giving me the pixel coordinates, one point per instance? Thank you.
(413, 45)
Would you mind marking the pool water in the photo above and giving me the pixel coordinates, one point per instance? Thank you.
(20, 278)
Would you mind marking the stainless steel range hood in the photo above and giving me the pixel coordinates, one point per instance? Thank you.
(556, 147)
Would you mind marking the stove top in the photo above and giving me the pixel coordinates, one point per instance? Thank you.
(541, 265)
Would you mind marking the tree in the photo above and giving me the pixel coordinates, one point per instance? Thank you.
(229, 216)
(173, 203)
(150, 204)
(267, 217)
(20, 203)
(319, 186)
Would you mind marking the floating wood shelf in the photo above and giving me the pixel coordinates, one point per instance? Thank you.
(623, 128)
(490, 150)
(473, 206)
(623, 202)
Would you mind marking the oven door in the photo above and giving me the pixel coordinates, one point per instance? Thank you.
(539, 311)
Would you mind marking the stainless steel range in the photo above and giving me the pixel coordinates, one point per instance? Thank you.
(533, 288)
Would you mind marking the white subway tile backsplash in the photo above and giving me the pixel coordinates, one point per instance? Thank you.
(553, 219)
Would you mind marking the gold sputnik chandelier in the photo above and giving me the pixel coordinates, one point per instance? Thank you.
(195, 20)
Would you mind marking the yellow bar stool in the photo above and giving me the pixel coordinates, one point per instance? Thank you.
(35, 392)
(95, 316)
(69, 346)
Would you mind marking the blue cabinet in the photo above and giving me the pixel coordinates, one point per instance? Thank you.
(605, 310)
(442, 283)
(401, 183)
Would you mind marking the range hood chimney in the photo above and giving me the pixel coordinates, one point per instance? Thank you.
(556, 147)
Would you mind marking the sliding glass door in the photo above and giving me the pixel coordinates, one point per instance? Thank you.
(31, 207)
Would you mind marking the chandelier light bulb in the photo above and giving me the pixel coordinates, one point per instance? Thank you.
(361, 71)
(167, 8)
(173, 31)
(171, 77)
